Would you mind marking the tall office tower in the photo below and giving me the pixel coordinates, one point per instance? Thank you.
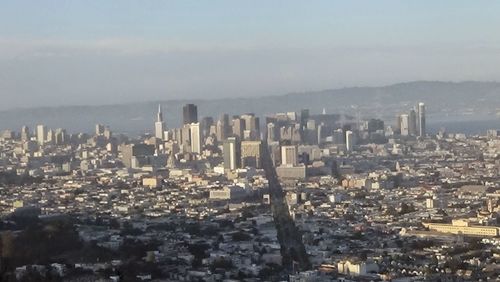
(232, 153)
(190, 113)
(159, 125)
(219, 131)
(397, 127)
(289, 155)
(421, 119)
(60, 136)
(226, 125)
(412, 123)
(107, 133)
(195, 138)
(185, 138)
(296, 134)
(405, 124)
(310, 135)
(320, 134)
(252, 125)
(99, 129)
(251, 153)
(223, 127)
(25, 133)
(137, 155)
(375, 124)
(349, 140)
(51, 137)
(177, 135)
(338, 136)
(41, 134)
(238, 127)
(271, 132)
(304, 116)
(205, 124)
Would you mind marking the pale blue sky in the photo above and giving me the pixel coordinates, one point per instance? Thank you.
(92, 52)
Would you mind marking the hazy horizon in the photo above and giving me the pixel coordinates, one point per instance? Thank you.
(71, 53)
(188, 99)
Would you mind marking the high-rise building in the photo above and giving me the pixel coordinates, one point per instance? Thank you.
(137, 155)
(405, 124)
(41, 134)
(25, 133)
(320, 134)
(349, 140)
(99, 129)
(251, 153)
(232, 153)
(107, 133)
(289, 155)
(251, 126)
(338, 136)
(205, 124)
(185, 138)
(195, 139)
(412, 123)
(51, 137)
(223, 129)
(421, 119)
(60, 136)
(271, 132)
(375, 124)
(238, 127)
(159, 125)
(397, 127)
(190, 113)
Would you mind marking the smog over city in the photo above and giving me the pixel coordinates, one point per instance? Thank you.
(222, 140)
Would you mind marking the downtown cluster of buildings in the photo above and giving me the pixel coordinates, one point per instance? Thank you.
(372, 201)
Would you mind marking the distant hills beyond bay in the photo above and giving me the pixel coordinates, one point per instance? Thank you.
(447, 103)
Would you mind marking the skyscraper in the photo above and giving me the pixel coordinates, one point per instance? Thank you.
(412, 123)
(232, 153)
(195, 138)
(223, 127)
(205, 124)
(271, 132)
(405, 124)
(99, 129)
(60, 136)
(159, 124)
(421, 119)
(251, 152)
(289, 155)
(238, 127)
(349, 140)
(41, 134)
(25, 133)
(190, 113)
(251, 125)
(397, 127)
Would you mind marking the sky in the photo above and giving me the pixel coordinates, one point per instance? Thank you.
(118, 51)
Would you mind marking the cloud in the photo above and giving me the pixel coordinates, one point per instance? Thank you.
(16, 48)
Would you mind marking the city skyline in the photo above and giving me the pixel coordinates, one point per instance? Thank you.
(299, 141)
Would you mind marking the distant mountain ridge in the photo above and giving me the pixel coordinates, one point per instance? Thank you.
(469, 100)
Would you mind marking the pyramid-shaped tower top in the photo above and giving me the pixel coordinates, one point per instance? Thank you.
(160, 115)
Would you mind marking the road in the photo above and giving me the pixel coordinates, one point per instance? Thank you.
(292, 249)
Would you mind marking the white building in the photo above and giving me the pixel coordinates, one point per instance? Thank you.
(195, 138)
(349, 140)
(289, 155)
(41, 134)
